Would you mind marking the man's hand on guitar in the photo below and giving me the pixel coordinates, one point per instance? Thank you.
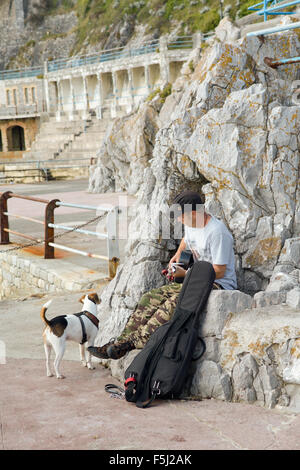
(178, 264)
(180, 272)
(174, 259)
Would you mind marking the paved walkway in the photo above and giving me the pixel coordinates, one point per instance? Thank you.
(75, 192)
(38, 412)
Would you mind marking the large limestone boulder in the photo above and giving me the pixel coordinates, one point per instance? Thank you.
(231, 130)
(260, 350)
(226, 31)
(232, 125)
(252, 354)
(124, 155)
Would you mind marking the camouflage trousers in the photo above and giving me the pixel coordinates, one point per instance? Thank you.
(155, 308)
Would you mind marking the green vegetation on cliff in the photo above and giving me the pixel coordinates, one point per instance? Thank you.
(98, 18)
(112, 23)
(106, 24)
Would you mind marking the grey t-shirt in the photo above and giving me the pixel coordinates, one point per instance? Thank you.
(213, 243)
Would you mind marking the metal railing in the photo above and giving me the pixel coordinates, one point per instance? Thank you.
(276, 29)
(149, 47)
(21, 73)
(103, 56)
(111, 235)
(272, 7)
(182, 42)
(275, 63)
(40, 168)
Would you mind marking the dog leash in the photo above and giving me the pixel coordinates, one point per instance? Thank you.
(115, 391)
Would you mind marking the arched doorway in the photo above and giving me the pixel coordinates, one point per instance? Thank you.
(15, 138)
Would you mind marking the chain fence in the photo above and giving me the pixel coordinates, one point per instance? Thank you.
(59, 235)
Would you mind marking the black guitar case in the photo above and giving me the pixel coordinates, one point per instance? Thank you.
(161, 368)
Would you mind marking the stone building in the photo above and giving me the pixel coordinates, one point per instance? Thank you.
(105, 85)
(115, 80)
(21, 105)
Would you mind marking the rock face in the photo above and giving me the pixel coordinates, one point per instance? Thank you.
(26, 43)
(231, 129)
(252, 353)
(259, 353)
(124, 155)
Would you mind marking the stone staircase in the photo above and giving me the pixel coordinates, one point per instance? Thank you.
(67, 139)
(87, 143)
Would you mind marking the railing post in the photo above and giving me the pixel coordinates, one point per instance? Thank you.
(46, 86)
(164, 61)
(113, 251)
(49, 231)
(4, 218)
(85, 98)
(197, 40)
(265, 10)
(38, 170)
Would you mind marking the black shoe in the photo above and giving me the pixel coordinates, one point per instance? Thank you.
(100, 352)
(119, 349)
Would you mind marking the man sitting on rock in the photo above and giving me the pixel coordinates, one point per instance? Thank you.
(209, 240)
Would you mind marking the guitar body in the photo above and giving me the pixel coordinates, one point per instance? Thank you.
(186, 258)
(186, 261)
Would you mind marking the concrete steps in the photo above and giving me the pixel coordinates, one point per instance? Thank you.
(38, 155)
(68, 139)
(77, 154)
(90, 140)
(53, 137)
(50, 146)
(89, 145)
(86, 144)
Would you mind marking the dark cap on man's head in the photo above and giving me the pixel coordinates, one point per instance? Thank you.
(190, 199)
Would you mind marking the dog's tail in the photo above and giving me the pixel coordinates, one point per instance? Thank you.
(43, 312)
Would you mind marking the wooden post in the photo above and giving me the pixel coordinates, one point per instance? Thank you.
(49, 231)
(4, 218)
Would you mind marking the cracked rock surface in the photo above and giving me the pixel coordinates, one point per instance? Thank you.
(231, 129)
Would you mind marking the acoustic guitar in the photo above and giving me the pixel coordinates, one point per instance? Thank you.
(185, 261)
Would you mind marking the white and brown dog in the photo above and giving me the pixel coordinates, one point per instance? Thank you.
(79, 327)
